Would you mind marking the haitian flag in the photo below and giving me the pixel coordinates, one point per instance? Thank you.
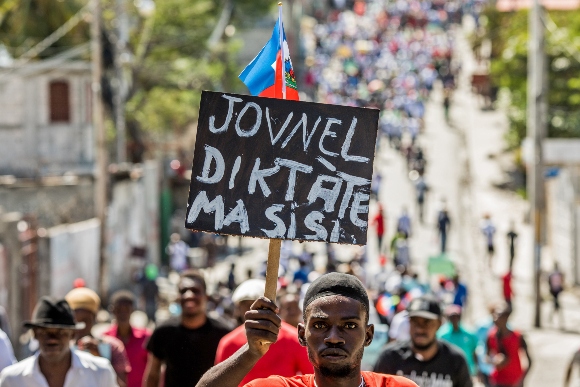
(264, 76)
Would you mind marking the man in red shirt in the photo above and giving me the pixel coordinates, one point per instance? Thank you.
(379, 223)
(335, 332)
(135, 339)
(286, 347)
(503, 350)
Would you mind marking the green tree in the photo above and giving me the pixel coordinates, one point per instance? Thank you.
(508, 33)
(24, 23)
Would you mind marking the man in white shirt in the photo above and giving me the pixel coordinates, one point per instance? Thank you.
(56, 364)
(6, 353)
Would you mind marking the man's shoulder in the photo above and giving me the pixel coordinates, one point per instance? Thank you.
(113, 341)
(382, 380)
(95, 363)
(450, 350)
(167, 326)
(18, 369)
(397, 346)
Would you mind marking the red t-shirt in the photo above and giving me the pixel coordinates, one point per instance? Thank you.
(511, 374)
(286, 357)
(371, 380)
(507, 286)
(379, 221)
(136, 352)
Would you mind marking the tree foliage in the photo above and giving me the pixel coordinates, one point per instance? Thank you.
(508, 33)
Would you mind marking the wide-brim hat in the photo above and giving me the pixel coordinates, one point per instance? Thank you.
(52, 313)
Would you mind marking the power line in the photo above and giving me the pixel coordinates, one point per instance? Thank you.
(55, 36)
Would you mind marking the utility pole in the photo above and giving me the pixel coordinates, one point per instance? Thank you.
(99, 127)
(121, 61)
(536, 126)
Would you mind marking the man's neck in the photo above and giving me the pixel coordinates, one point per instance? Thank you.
(124, 330)
(326, 381)
(194, 322)
(455, 328)
(426, 354)
(55, 372)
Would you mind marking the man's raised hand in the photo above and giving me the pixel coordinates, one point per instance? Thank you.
(262, 325)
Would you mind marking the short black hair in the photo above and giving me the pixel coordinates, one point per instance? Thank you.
(194, 275)
(122, 295)
(337, 284)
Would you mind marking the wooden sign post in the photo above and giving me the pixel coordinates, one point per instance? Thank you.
(281, 169)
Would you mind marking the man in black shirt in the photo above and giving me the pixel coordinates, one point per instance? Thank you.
(187, 347)
(424, 359)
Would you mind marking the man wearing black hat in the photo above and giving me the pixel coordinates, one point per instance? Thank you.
(56, 364)
(424, 359)
(335, 332)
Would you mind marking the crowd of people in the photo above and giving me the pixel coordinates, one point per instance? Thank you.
(383, 54)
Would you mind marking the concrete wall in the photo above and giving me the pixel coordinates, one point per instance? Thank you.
(563, 214)
(54, 202)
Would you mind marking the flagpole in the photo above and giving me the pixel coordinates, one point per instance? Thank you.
(282, 53)
(275, 244)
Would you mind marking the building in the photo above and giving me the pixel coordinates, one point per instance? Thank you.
(45, 119)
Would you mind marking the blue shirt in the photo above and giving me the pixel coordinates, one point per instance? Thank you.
(460, 295)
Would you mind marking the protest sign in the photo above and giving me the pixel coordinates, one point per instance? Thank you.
(282, 169)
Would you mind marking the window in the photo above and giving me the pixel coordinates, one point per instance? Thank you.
(59, 102)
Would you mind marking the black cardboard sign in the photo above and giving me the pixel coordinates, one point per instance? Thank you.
(272, 168)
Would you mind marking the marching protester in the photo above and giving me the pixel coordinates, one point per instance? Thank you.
(285, 357)
(290, 311)
(503, 349)
(85, 304)
(455, 333)
(56, 363)
(488, 231)
(556, 286)
(335, 333)
(424, 359)
(134, 339)
(187, 347)
(443, 225)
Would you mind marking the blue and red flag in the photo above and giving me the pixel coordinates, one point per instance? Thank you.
(268, 75)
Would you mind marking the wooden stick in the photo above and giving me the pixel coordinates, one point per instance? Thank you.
(272, 269)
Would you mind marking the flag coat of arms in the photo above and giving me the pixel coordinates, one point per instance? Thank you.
(268, 75)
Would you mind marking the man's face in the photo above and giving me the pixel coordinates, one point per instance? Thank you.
(54, 343)
(193, 298)
(454, 319)
(500, 318)
(423, 331)
(241, 308)
(290, 310)
(335, 333)
(87, 317)
(122, 311)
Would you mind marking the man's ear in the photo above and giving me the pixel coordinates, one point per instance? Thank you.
(369, 334)
(302, 334)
